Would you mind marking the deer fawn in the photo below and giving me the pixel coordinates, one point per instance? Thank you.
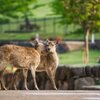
(21, 57)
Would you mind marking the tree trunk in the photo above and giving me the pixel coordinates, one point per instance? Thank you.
(86, 47)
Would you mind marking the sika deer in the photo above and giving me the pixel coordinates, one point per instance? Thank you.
(20, 57)
(49, 60)
(18, 74)
(40, 47)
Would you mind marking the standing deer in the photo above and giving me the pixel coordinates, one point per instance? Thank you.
(21, 57)
(40, 47)
(49, 60)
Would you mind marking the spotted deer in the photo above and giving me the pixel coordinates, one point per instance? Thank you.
(49, 59)
(21, 57)
(40, 47)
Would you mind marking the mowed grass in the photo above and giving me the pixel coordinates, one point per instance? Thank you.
(26, 36)
(75, 57)
(17, 36)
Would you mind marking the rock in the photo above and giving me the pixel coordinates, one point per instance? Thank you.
(86, 81)
(63, 73)
(48, 85)
(62, 85)
(78, 71)
(72, 45)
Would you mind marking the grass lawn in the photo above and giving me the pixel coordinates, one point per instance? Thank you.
(13, 36)
(46, 11)
(26, 36)
(75, 57)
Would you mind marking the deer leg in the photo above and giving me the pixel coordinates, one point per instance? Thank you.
(25, 72)
(3, 84)
(34, 78)
(2, 81)
(15, 88)
(10, 85)
(51, 75)
(14, 81)
(0, 85)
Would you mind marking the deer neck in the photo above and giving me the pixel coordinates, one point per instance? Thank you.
(53, 57)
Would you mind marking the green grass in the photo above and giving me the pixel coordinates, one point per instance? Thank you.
(42, 11)
(46, 11)
(75, 57)
(19, 36)
(75, 36)
(26, 36)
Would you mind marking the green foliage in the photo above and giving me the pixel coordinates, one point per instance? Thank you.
(83, 12)
(14, 8)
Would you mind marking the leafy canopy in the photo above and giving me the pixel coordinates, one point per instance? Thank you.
(83, 12)
(15, 8)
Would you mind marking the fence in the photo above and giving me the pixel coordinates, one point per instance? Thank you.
(41, 25)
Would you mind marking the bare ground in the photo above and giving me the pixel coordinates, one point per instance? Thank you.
(49, 95)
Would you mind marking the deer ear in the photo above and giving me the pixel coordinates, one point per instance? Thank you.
(56, 42)
(36, 42)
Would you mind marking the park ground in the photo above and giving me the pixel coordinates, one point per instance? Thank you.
(49, 95)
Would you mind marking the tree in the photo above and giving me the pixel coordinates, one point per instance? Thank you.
(15, 8)
(85, 13)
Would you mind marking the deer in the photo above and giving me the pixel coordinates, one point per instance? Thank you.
(21, 58)
(49, 59)
(40, 47)
(48, 56)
